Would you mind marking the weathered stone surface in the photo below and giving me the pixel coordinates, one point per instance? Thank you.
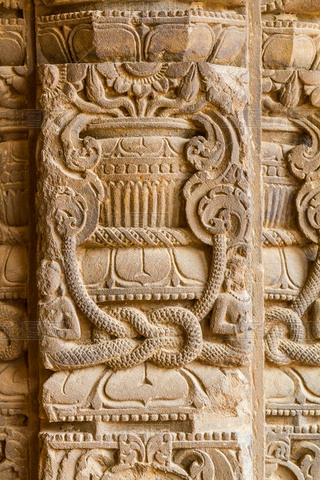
(159, 240)
(14, 158)
(290, 136)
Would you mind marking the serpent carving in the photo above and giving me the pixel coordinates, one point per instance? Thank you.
(219, 255)
(281, 350)
(304, 164)
(11, 332)
(82, 299)
(223, 355)
(124, 352)
(159, 339)
(169, 336)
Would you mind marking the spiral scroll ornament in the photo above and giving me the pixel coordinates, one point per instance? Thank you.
(304, 159)
(204, 155)
(80, 154)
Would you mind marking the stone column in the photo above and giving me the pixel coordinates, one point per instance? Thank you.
(291, 79)
(145, 238)
(167, 314)
(14, 119)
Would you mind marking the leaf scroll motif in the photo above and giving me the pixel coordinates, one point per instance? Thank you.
(190, 84)
(290, 93)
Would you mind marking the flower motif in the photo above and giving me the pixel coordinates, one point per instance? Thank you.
(141, 79)
(293, 88)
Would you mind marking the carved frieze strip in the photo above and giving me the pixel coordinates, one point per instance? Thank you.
(13, 22)
(294, 453)
(293, 410)
(273, 294)
(149, 455)
(150, 16)
(6, 414)
(69, 440)
(110, 295)
(296, 431)
(12, 4)
(61, 414)
(290, 6)
(291, 24)
(88, 37)
(236, 5)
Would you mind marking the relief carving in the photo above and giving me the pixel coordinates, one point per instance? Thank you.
(14, 217)
(291, 244)
(129, 456)
(159, 36)
(170, 279)
(217, 209)
(145, 213)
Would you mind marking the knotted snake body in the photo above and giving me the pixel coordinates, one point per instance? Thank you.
(158, 343)
(280, 350)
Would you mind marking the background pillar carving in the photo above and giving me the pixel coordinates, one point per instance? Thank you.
(290, 236)
(14, 159)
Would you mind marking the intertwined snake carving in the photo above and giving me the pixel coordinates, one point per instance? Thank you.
(285, 338)
(124, 337)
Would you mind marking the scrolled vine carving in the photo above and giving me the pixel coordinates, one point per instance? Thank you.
(80, 154)
(304, 159)
(206, 153)
(308, 206)
(70, 214)
(225, 209)
(135, 456)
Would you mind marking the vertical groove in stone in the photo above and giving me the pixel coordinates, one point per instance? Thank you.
(258, 409)
(32, 325)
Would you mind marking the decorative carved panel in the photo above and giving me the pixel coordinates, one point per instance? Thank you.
(159, 240)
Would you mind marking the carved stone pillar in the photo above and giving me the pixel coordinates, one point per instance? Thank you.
(13, 243)
(291, 236)
(159, 240)
(145, 214)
